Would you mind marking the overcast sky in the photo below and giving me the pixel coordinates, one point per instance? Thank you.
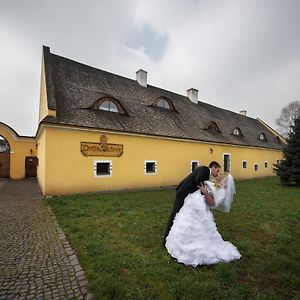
(239, 54)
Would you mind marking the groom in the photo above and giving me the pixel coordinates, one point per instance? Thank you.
(189, 185)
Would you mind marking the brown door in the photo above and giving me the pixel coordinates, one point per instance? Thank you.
(30, 166)
(4, 164)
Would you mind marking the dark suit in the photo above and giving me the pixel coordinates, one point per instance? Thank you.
(187, 186)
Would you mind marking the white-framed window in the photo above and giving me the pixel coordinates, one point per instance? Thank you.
(226, 162)
(194, 165)
(150, 167)
(102, 168)
(255, 167)
(266, 164)
(244, 164)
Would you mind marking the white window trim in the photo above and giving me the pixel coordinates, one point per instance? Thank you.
(150, 161)
(267, 164)
(257, 167)
(229, 161)
(194, 161)
(102, 161)
(246, 164)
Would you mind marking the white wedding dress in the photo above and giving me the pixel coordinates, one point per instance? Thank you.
(194, 238)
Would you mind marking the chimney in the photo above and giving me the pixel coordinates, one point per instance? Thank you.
(243, 112)
(193, 95)
(141, 77)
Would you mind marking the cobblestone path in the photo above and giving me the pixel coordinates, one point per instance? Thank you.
(36, 260)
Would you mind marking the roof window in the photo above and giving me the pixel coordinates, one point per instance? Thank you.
(164, 102)
(213, 127)
(109, 104)
(237, 131)
(262, 137)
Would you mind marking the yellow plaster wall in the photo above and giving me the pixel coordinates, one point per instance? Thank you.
(68, 171)
(41, 152)
(20, 147)
(44, 111)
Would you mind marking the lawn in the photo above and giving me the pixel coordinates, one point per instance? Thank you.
(118, 240)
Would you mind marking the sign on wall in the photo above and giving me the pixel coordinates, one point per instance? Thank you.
(101, 149)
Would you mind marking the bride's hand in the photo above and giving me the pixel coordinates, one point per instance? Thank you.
(202, 188)
(209, 199)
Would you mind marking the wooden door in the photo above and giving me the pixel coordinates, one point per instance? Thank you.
(4, 164)
(30, 166)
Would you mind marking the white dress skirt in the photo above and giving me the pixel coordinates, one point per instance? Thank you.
(194, 239)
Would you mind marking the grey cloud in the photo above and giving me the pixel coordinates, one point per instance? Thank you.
(241, 54)
(152, 42)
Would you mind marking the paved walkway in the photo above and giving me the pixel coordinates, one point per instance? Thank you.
(36, 260)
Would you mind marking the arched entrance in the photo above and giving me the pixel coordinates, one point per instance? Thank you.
(4, 158)
(14, 149)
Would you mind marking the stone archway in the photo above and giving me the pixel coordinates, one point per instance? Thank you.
(14, 150)
(4, 158)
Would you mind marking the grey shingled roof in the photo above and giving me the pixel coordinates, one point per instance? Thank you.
(72, 88)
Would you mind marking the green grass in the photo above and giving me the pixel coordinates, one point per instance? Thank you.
(118, 239)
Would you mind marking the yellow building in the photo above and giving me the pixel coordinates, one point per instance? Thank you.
(99, 131)
(17, 154)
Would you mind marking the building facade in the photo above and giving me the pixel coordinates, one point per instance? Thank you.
(99, 131)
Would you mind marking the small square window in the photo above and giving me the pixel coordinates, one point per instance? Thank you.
(150, 167)
(266, 164)
(255, 167)
(244, 164)
(102, 168)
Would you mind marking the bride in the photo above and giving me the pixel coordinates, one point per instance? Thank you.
(194, 238)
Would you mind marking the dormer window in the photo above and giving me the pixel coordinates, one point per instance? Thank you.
(237, 131)
(109, 104)
(262, 137)
(213, 127)
(164, 102)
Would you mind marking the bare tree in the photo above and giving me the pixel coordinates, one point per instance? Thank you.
(287, 117)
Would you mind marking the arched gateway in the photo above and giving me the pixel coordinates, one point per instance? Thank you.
(4, 157)
(17, 154)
